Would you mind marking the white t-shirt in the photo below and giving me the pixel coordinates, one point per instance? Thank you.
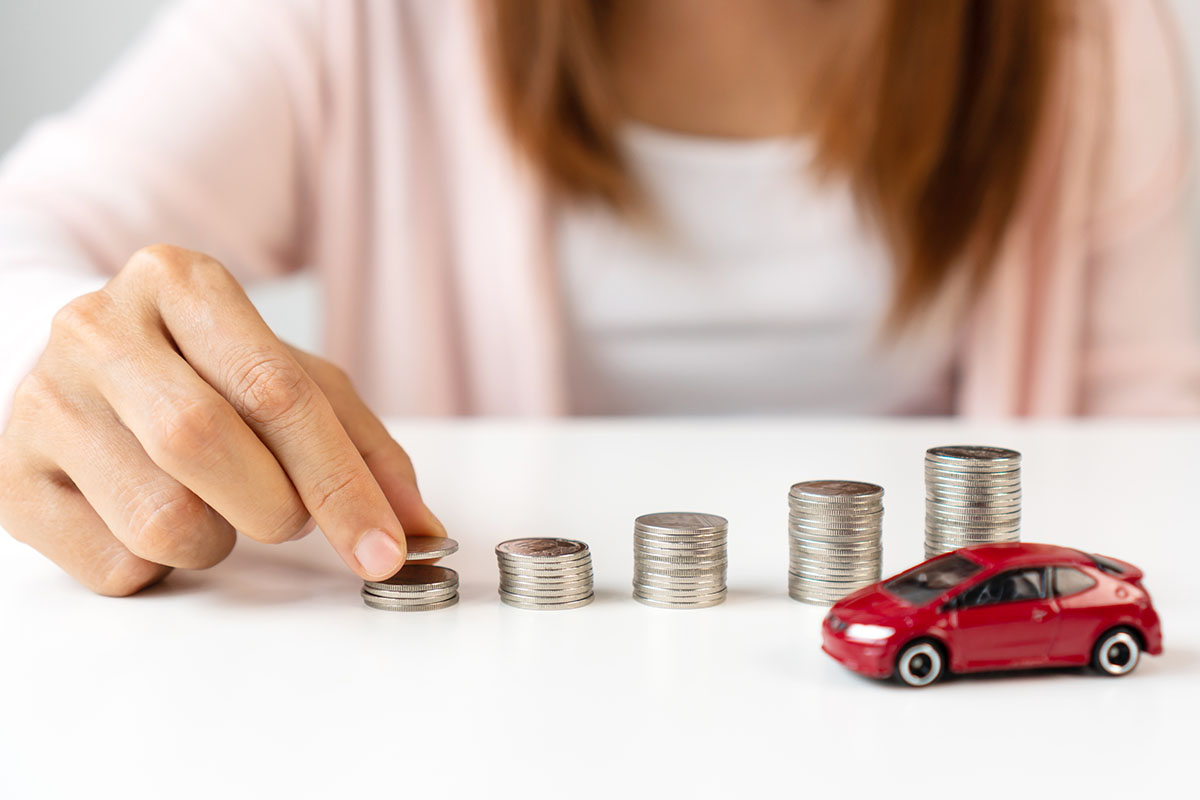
(756, 289)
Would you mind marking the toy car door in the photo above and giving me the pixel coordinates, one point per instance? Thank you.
(1006, 620)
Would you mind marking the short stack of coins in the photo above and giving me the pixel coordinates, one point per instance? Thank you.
(680, 560)
(972, 496)
(545, 574)
(417, 587)
(835, 531)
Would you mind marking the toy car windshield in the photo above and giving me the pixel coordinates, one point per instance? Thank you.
(932, 579)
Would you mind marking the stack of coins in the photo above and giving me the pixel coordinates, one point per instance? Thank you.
(416, 587)
(972, 496)
(545, 574)
(679, 560)
(835, 533)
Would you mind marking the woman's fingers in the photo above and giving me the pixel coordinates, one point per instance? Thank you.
(384, 456)
(49, 514)
(180, 422)
(164, 414)
(232, 349)
(156, 517)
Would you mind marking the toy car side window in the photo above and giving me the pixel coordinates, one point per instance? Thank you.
(1007, 587)
(1068, 581)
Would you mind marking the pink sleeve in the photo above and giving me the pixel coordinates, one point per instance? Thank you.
(1142, 345)
(204, 135)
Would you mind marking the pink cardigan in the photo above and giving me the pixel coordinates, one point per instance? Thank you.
(357, 137)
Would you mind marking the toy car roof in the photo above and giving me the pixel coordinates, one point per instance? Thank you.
(1016, 554)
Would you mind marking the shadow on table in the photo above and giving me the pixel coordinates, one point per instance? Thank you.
(260, 575)
(1172, 662)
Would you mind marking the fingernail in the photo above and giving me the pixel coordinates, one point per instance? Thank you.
(305, 531)
(379, 554)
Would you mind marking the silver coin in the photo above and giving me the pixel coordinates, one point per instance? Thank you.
(516, 603)
(425, 548)
(566, 567)
(546, 584)
(812, 516)
(835, 545)
(718, 553)
(859, 523)
(842, 565)
(799, 592)
(549, 595)
(683, 562)
(385, 604)
(820, 542)
(683, 546)
(681, 522)
(972, 452)
(657, 603)
(697, 594)
(678, 587)
(423, 575)
(812, 565)
(677, 578)
(707, 579)
(836, 490)
(680, 548)
(938, 524)
(409, 594)
(540, 549)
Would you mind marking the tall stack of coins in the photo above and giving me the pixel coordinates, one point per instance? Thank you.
(972, 496)
(545, 574)
(679, 560)
(417, 587)
(835, 531)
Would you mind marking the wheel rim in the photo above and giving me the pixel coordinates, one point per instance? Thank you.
(920, 665)
(1119, 653)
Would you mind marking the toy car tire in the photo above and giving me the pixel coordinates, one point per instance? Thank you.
(1117, 652)
(920, 663)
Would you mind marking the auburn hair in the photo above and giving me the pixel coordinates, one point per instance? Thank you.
(935, 127)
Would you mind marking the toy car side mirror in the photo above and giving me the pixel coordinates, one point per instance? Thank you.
(949, 605)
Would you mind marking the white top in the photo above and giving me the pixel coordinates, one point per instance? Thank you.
(757, 289)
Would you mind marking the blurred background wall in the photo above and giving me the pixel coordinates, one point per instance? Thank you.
(51, 50)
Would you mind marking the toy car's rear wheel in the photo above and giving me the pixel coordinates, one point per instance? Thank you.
(1116, 652)
(920, 664)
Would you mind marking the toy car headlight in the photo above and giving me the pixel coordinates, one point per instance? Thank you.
(868, 633)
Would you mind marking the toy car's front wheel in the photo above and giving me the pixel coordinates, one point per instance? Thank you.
(1116, 652)
(920, 664)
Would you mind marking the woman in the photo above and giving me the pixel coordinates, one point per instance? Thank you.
(967, 206)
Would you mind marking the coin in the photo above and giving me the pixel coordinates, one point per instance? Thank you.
(425, 576)
(416, 587)
(552, 550)
(972, 496)
(544, 573)
(387, 604)
(536, 606)
(680, 559)
(426, 548)
(834, 538)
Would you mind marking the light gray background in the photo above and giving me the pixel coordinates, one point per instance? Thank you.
(51, 51)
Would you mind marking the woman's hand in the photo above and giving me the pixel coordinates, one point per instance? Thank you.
(164, 415)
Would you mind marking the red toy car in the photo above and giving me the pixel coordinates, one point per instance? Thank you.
(992, 607)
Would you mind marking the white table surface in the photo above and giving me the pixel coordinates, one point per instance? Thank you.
(266, 676)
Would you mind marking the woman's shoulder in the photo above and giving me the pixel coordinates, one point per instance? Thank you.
(1127, 82)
